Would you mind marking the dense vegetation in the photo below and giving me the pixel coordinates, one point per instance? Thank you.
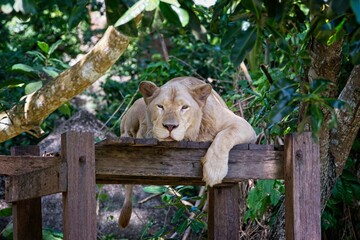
(261, 56)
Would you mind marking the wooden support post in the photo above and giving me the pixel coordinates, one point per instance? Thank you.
(80, 200)
(302, 188)
(27, 213)
(223, 217)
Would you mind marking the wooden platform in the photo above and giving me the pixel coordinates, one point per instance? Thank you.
(82, 164)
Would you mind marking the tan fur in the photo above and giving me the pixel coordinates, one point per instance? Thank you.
(186, 108)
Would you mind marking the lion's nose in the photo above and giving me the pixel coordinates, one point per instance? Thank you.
(170, 127)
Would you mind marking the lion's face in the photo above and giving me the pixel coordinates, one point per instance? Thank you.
(175, 112)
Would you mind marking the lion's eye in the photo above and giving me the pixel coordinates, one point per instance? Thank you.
(160, 106)
(184, 107)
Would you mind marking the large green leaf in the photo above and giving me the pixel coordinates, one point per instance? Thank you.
(54, 46)
(24, 69)
(114, 11)
(33, 86)
(182, 14)
(6, 212)
(245, 41)
(155, 189)
(43, 46)
(132, 12)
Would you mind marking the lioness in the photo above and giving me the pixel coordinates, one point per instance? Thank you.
(186, 108)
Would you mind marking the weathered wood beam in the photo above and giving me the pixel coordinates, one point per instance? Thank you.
(17, 165)
(27, 214)
(179, 163)
(302, 188)
(38, 183)
(79, 201)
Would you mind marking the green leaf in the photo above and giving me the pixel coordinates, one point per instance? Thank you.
(43, 46)
(197, 225)
(230, 36)
(54, 46)
(23, 68)
(155, 189)
(6, 212)
(37, 55)
(328, 220)
(319, 85)
(33, 86)
(132, 12)
(152, 5)
(355, 5)
(170, 15)
(65, 109)
(49, 234)
(8, 231)
(182, 15)
(50, 71)
(171, 2)
(243, 44)
(179, 213)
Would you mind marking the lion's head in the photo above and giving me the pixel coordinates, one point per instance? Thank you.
(174, 111)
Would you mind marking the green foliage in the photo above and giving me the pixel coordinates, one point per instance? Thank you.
(265, 195)
(48, 234)
(346, 192)
(182, 199)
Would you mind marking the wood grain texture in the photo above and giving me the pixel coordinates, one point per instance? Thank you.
(37, 183)
(16, 165)
(223, 216)
(302, 188)
(27, 214)
(79, 201)
(177, 163)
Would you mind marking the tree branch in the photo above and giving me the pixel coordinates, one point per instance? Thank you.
(348, 121)
(68, 84)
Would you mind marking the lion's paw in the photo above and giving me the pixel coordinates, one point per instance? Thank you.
(215, 168)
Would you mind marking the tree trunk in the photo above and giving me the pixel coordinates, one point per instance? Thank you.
(335, 144)
(68, 84)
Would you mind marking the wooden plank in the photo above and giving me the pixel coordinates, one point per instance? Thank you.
(79, 201)
(27, 214)
(16, 165)
(302, 185)
(37, 183)
(223, 216)
(174, 165)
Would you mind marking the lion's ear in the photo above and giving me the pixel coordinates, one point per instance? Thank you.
(202, 92)
(148, 90)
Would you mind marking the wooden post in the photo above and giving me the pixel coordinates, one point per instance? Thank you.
(223, 217)
(80, 200)
(27, 213)
(302, 188)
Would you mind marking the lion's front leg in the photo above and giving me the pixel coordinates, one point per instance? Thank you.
(215, 165)
(215, 161)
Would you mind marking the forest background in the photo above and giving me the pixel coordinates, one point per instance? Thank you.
(286, 66)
